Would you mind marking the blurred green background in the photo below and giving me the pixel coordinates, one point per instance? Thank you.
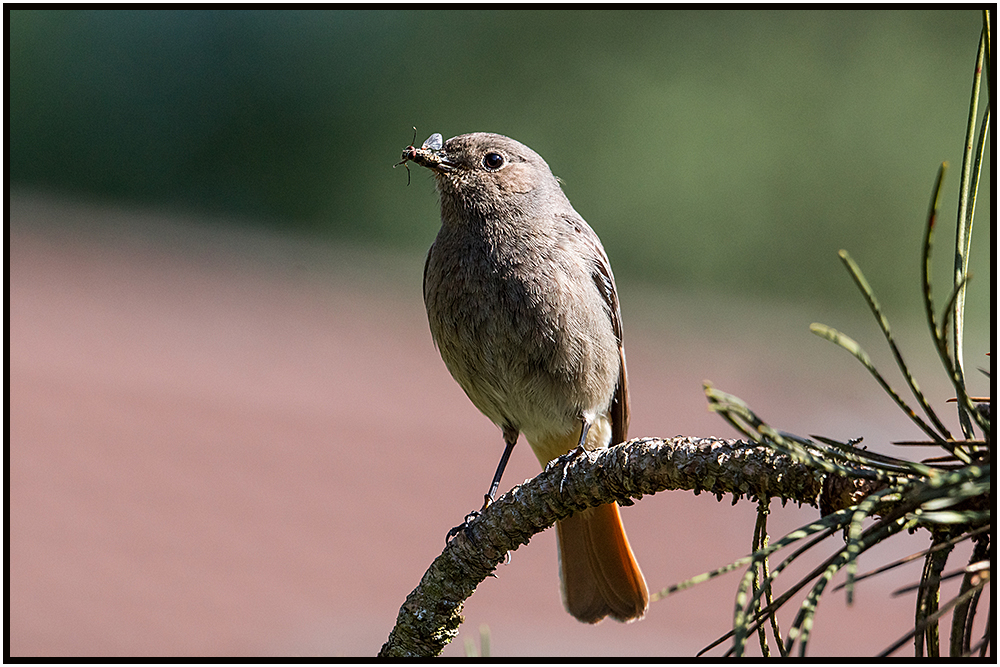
(724, 151)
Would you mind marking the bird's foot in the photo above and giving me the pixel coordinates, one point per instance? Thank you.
(469, 519)
(575, 453)
(461, 528)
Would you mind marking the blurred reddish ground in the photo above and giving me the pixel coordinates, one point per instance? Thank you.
(228, 442)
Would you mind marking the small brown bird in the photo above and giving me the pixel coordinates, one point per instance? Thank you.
(523, 308)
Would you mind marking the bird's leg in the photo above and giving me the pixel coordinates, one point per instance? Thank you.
(577, 451)
(583, 433)
(510, 439)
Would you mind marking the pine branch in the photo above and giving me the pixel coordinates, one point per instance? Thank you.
(430, 617)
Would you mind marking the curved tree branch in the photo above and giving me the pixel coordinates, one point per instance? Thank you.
(430, 616)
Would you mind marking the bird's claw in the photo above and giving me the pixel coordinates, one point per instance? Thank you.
(576, 453)
(469, 518)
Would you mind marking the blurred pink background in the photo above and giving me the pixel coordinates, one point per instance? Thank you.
(230, 442)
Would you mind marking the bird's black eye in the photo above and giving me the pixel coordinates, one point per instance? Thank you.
(493, 161)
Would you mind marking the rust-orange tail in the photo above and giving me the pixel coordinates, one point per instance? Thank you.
(600, 576)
